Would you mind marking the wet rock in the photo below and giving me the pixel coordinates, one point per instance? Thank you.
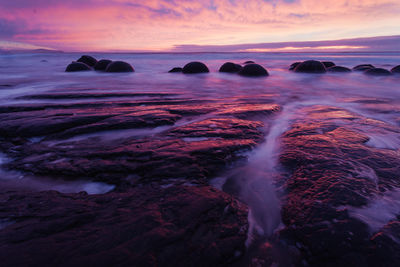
(119, 66)
(328, 64)
(331, 168)
(396, 69)
(88, 60)
(249, 111)
(385, 245)
(338, 69)
(230, 67)
(176, 69)
(249, 62)
(197, 149)
(77, 66)
(253, 70)
(294, 65)
(195, 67)
(310, 66)
(144, 226)
(102, 64)
(378, 72)
(363, 67)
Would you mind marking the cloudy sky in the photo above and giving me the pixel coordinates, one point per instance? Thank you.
(112, 25)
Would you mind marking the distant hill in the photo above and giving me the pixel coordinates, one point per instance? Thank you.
(29, 51)
(7, 47)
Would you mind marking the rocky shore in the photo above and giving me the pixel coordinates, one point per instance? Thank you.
(162, 153)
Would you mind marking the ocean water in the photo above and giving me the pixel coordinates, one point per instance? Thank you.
(27, 74)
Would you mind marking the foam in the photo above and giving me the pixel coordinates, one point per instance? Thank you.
(380, 211)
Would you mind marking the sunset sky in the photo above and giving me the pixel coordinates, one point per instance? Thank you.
(113, 25)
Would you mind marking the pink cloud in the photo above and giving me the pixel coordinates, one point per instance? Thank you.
(152, 24)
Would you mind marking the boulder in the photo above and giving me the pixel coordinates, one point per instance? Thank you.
(253, 70)
(176, 69)
(378, 72)
(328, 64)
(88, 60)
(396, 69)
(102, 64)
(77, 66)
(363, 67)
(195, 67)
(230, 67)
(119, 66)
(310, 66)
(338, 69)
(249, 62)
(294, 65)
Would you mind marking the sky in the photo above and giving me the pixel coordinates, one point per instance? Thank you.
(186, 25)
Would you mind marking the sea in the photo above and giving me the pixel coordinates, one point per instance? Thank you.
(24, 74)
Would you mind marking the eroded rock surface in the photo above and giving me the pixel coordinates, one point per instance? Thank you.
(159, 150)
(332, 169)
(144, 226)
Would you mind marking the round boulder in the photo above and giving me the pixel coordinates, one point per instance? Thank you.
(310, 66)
(230, 67)
(102, 64)
(294, 65)
(119, 66)
(338, 69)
(363, 67)
(88, 60)
(378, 72)
(328, 64)
(77, 66)
(195, 67)
(249, 62)
(253, 70)
(176, 69)
(396, 69)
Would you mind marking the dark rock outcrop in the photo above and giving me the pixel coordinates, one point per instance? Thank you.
(338, 69)
(396, 69)
(294, 65)
(363, 67)
(77, 66)
(102, 64)
(119, 66)
(249, 62)
(333, 170)
(88, 60)
(253, 70)
(195, 67)
(378, 72)
(310, 66)
(176, 69)
(328, 64)
(230, 67)
(144, 226)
